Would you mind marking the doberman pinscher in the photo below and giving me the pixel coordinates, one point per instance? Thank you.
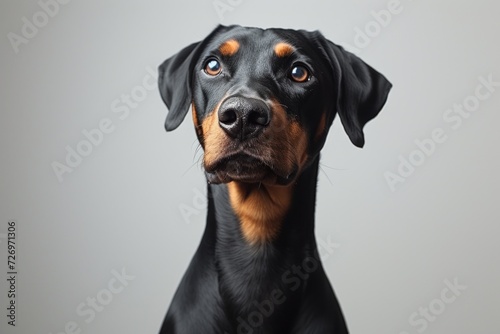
(262, 102)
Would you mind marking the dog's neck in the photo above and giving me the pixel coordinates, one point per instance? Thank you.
(257, 216)
(242, 264)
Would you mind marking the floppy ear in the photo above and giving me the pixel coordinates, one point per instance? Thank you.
(361, 91)
(174, 81)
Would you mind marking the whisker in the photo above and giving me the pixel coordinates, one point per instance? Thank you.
(327, 177)
(322, 167)
(196, 160)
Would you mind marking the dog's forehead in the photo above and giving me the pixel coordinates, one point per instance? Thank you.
(251, 40)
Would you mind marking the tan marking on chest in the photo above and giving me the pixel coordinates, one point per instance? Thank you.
(260, 208)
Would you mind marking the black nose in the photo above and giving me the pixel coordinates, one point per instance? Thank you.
(243, 118)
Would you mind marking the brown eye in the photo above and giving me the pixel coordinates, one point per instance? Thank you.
(213, 67)
(300, 74)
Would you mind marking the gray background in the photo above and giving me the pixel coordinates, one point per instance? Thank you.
(120, 209)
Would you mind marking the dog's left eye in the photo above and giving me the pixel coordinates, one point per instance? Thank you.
(213, 67)
(300, 73)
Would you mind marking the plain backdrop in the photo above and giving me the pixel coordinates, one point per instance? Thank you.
(133, 206)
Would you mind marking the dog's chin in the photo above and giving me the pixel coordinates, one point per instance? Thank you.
(246, 169)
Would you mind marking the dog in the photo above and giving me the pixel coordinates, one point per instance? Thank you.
(262, 103)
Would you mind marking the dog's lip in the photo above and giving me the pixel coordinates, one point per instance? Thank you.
(247, 168)
(238, 167)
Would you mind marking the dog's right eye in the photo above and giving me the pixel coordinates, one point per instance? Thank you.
(300, 74)
(213, 67)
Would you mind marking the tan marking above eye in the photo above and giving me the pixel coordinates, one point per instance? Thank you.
(283, 49)
(229, 48)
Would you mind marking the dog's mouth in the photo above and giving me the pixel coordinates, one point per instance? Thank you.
(242, 167)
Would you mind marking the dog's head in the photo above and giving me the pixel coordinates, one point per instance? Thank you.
(263, 100)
